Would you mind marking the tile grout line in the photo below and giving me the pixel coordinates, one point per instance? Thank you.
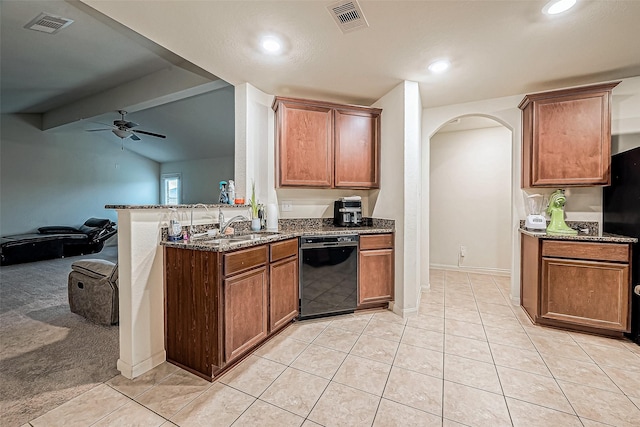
(334, 374)
(278, 376)
(404, 328)
(504, 396)
(135, 401)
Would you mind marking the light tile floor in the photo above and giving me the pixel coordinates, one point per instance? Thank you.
(469, 358)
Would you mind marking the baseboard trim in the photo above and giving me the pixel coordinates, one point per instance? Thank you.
(403, 312)
(131, 372)
(481, 270)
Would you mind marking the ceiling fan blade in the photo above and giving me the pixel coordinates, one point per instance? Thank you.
(135, 137)
(96, 130)
(102, 124)
(130, 124)
(148, 133)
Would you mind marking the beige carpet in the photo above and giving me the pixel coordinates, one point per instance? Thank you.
(48, 355)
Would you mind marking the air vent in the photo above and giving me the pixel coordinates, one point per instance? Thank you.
(348, 16)
(47, 23)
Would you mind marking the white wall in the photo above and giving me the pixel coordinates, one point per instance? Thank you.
(626, 142)
(505, 111)
(582, 203)
(317, 203)
(470, 199)
(60, 178)
(399, 194)
(201, 177)
(254, 143)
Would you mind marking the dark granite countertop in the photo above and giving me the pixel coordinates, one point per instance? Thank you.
(188, 206)
(287, 229)
(588, 237)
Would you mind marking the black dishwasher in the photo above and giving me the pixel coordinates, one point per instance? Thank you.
(328, 275)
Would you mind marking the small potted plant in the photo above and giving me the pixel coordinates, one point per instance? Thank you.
(253, 202)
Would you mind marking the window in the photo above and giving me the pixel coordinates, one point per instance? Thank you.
(171, 188)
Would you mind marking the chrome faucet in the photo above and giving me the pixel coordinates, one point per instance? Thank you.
(197, 205)
(224, 226)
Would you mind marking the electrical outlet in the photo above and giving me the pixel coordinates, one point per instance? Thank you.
(463, 251)
(286, 206)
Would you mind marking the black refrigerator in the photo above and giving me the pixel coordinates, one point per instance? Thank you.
(621, 215)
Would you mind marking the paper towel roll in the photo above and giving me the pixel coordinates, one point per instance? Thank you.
(272, 217)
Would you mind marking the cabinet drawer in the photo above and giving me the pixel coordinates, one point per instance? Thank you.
(236, 262)
(284, 249)
(376, 241)
(616, 252)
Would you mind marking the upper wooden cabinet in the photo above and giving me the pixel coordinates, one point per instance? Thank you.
(566, 137)
(326, 145)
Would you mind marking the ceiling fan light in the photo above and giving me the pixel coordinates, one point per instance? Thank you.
(121, 133)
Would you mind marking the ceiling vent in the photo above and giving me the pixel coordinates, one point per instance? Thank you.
(348, 15)
(47, 23)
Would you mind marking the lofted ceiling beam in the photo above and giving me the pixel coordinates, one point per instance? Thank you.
(167, 85)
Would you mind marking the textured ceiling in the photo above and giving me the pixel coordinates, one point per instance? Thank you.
(497, 48)
(86, 63)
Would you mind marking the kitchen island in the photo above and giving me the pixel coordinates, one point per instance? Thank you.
(225, 296)
(141, 231)
(580, 282)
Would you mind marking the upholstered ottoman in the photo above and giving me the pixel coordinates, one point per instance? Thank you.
(93, 290)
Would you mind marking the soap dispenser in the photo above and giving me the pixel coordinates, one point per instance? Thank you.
(231, 192)
(175, 229)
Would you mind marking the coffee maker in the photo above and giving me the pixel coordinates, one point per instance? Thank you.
(347, 212)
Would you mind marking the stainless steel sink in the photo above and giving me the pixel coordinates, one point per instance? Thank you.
(245, 237)
(233, 238)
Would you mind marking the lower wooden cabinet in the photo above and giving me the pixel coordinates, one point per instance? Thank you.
(576, 285)
(193, 314)
(219, 306)
(375, 270)
(283, 293)
(587, 293)
(245, 312)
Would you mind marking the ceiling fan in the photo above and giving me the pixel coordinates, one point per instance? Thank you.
(124, 129)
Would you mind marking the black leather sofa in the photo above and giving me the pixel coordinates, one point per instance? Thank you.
(56, 242)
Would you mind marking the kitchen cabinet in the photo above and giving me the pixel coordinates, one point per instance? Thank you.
(566, 137)
(283, 286)
(245, 300)
(327, 145)
(193, 315)
(357, 145)
(220, 305)
(375, 270)
(576, 285)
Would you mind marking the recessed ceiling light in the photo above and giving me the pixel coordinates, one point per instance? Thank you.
(555, 7)
(270, 44)
(439, 66)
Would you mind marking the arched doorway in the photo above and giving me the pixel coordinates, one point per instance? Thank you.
(467, 181)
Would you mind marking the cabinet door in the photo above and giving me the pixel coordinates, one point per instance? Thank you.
(375, 276)
(192, 337)
(283, 292)
(357, 145)
(586, 293)
(245, 311)
(305, 145)
(566, 137)
(530, 275)
(572, 145)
